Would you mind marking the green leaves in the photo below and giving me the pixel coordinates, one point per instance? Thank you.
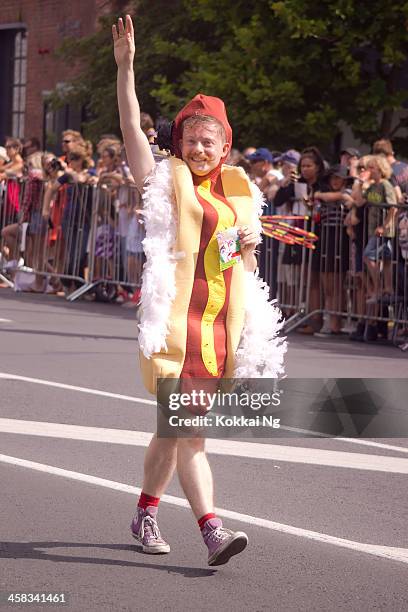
(290, 72)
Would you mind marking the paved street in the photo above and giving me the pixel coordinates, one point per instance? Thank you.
(326, 519)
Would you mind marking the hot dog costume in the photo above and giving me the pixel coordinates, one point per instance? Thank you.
(196, 320)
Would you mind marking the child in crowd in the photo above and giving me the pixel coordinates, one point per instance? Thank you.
(335, 199)
(379, 200)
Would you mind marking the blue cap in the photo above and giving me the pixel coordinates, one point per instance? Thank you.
(261, 154)
(290, 157)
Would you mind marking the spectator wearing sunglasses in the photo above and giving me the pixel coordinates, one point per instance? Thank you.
(70, 139)
(399, 178)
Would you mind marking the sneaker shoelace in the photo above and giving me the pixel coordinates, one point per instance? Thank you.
(219, 534)
(150, 527)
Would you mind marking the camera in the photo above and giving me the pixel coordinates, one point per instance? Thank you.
(56, 165)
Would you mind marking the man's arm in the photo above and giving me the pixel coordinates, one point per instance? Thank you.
(139, 154)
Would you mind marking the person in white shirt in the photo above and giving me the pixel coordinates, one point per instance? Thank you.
(264, 175)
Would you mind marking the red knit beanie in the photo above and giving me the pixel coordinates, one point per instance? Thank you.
(200, 105)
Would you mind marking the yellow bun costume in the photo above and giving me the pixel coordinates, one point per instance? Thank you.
(198, 321)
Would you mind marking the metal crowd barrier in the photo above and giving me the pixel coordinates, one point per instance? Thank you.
(115, 242)
(352, 277)
(12, 193)
(87, 238)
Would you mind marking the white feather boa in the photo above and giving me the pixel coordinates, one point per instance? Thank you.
(158, 284)
(261, 351)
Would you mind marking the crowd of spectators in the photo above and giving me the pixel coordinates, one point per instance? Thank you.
(358, 207)
(50, 199)
(355, 207)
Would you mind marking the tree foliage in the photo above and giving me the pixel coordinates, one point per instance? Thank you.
(289, 71)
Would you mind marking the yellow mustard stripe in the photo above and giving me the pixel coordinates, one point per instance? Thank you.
(215, 278)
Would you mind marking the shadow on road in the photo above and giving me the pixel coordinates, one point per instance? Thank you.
(82, 306)
(30, 550)
(343, 346)
(43, 332)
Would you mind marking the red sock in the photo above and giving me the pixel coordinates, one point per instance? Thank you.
(136, 295)
(205, 518)
(147, 500)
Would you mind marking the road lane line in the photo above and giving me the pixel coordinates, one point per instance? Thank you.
(129, 398)
(6, 321)
(399, 449)
(386, 552)
(253, 450)
(57, 385)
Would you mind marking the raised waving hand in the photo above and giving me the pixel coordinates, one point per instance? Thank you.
(139, 154)
(124, 42)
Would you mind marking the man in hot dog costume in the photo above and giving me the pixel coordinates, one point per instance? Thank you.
(197, 320)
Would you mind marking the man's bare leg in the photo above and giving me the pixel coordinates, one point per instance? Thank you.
(159, 465)
(195, 476)
(196, 479)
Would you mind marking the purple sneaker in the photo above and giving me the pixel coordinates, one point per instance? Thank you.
(222, 543)
(145, 530)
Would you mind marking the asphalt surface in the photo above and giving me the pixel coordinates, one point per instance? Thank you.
(71, 536)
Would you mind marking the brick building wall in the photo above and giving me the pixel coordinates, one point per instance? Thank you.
(47, 23)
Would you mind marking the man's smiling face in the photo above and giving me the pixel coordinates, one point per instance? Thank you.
(202, 147)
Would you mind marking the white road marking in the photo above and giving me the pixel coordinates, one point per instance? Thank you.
(387, 552)
(57, 385)
(398, 449)
(253, 450)
(129, 398)
(6, 321)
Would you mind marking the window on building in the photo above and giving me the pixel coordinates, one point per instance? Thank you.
(56, 120)
(19, 84)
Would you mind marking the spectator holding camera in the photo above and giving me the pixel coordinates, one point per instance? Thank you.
(297, 192)
(76, 214)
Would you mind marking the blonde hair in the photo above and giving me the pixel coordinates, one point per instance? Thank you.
(363, 161)
(76, 136)
(382, 164)
(205, 120)
(34, 161)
